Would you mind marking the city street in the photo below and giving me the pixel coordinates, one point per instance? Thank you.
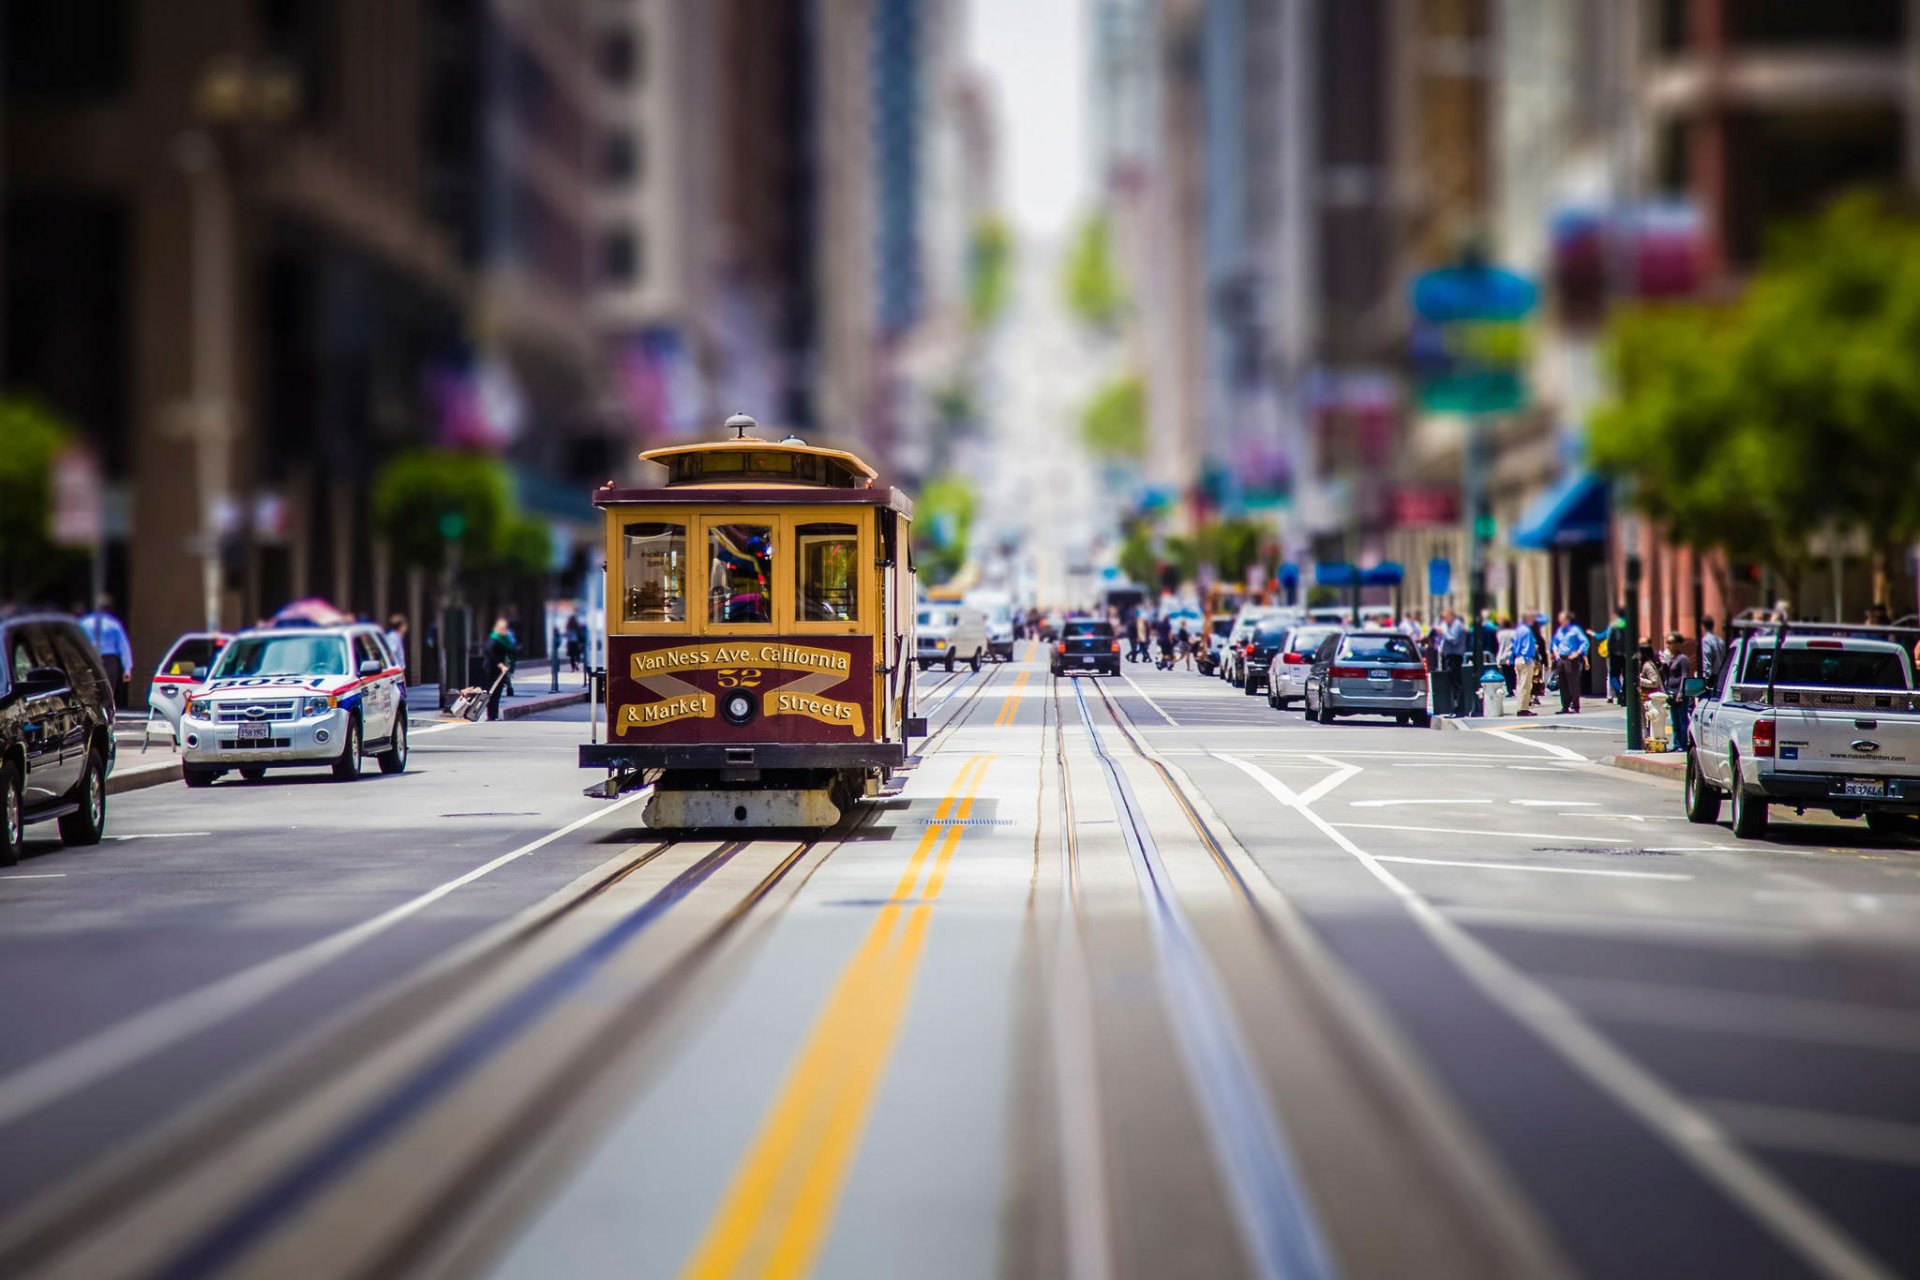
(1134, 977)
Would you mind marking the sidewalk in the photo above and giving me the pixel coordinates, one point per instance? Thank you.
(532, 695)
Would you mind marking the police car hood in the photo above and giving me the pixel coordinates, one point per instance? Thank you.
(287, 685)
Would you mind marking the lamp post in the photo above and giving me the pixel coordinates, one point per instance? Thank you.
(239, 102)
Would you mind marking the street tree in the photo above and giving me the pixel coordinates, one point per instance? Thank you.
(1792, 411)
(30, 562)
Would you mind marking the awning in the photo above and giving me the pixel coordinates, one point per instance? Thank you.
(1577, 510)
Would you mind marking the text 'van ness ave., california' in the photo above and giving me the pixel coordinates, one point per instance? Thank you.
(779, 656)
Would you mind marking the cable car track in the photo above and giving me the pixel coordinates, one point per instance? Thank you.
(1257, 1167)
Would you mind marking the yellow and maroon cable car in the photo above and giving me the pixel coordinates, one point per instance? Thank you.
(759, 635)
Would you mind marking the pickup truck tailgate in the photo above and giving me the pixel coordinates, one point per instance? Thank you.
(1833, 740)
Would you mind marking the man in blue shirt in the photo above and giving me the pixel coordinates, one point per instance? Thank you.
(1570, 661)
(1453, 658)
(1526, 664)
(109, 638)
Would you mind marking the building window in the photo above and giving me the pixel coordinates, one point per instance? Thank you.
(620, 57)
(620, 257)
(620, 158)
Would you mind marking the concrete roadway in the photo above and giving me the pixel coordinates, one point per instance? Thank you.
(1135, 977)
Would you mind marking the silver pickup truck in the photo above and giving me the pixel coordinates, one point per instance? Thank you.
(1816, 717)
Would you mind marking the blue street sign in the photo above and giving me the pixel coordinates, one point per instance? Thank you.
(1439, 577)
(1471, 292)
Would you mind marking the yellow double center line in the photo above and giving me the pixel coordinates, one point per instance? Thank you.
(1011, 706)
(775, 1214)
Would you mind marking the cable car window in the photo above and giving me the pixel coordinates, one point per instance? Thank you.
(655, 575)
(739, 573)
(827, 572)
(776, 463)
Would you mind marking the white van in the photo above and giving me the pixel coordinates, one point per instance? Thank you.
(950, 634)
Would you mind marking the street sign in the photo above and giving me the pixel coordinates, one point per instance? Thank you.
(1439, 577)
(1470, 345)
(79, 498)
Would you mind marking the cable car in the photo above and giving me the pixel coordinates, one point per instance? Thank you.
(759, 635)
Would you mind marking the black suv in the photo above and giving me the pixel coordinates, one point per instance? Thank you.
(56, 731)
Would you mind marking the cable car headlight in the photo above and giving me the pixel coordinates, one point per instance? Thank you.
(737, 707)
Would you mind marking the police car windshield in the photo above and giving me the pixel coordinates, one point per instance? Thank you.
(289, 655)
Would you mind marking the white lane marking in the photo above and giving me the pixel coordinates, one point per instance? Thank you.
(439, 728)
(68, 1070)
(1463, 831)
(1820, 1132)
(1386, 804)
(1150, 702)
(1522, 866)
(1342, 772)
(1551, 748)
(44, 875)
(1743, 1013)
(162, 835)
(1688, 1129)
(1556, 804)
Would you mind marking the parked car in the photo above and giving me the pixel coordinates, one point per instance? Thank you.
(56, 732)
(1813, 719)
(1291, 660)
(1368, 673)
(188, 660)
(297, 697)
(1087, 644)
(1233, 655)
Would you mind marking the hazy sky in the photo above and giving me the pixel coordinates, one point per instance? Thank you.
(1034, 55)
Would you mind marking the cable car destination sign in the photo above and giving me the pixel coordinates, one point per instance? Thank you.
(677, 678)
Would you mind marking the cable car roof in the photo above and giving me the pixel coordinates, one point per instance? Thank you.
(679, 459)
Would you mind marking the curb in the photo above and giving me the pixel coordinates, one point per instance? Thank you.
(1651, 766)
(518, 711)
(142, 776)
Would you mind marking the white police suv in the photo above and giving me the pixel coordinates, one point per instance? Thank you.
(297, 697)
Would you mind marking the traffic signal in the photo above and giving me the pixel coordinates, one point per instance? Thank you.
(1484, 526)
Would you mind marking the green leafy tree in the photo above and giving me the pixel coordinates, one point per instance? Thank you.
(428, 501)
(1752, 426)
(30, 562)
(942, 527)
(1114, 424)
(1137, 557)
(1094, 290)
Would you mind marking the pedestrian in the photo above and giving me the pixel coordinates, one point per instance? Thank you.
(1453, 659)
(512, 630)
(396, 638)
(576, 641)
(1503, 654)
(1655, 727)
(1713, 653)
(1524, 659)
(1183, 647)
(1142, 631)
(1570, 648)
(500, 661)
(109, 636)
(1616, 654)
(1679, 671)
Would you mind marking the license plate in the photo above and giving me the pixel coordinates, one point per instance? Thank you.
(255, 732)
(1088, 662)
(1874, 787)
(1380, 673)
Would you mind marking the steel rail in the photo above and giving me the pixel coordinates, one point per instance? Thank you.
(1269, 1199)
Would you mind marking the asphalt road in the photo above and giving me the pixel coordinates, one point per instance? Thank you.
(1134, 977)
